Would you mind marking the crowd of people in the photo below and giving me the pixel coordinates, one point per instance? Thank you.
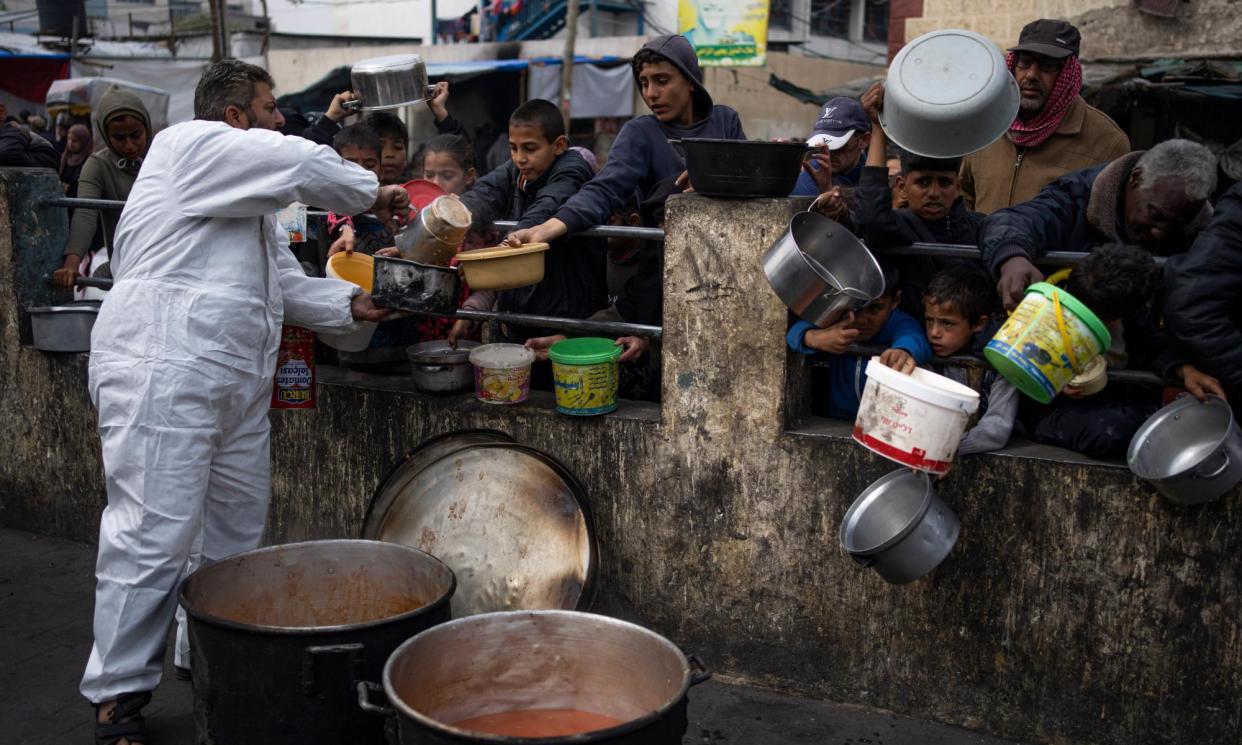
(193, 326)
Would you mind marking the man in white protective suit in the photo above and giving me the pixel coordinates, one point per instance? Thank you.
(182, 358)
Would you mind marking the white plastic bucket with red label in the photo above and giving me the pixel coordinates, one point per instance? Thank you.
(916, 420)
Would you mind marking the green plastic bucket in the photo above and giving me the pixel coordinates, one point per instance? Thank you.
(1038, 353)
(585, 374)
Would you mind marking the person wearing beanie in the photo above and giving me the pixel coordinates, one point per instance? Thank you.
(1056, 132)
(125, 128)
(668, 75)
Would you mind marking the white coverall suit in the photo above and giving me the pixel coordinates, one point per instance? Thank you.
(182, 358)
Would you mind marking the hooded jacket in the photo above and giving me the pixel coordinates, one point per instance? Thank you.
(104, 176)
(642, 156)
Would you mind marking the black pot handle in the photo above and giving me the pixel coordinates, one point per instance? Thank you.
(698, 671)
(866, 562)
(310, 678)
(364, 699)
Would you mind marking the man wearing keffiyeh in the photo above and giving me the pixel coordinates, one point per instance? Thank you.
(1056, 131)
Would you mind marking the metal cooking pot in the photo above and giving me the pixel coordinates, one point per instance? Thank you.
(900, 527)
(439, 368)
(389, 82)
(411, 286)
(1190, 451)
(742, 168)
(820, 271)
(500, 662)
(948, 94)
(64, 328)
(435, 235)
(281, 636)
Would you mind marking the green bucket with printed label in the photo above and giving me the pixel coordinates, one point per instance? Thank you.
(585, 373)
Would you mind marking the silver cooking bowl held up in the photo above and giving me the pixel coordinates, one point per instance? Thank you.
(900, 527)
(948, 94)
(820, 271)
(1190, 451)
(389, 82)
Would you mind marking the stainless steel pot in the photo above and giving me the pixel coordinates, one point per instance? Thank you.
(500, 662)
(742, 168)
(820, 271)
(435, 235)
(411, 286)
(64, 328)
(389, 82)
(1190, 451)
(439, 368)
(900, 527)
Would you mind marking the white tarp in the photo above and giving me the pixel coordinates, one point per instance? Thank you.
(177, 76)
(596, 91)
(82, 94)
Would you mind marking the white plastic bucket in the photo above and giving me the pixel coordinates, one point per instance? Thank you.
(916, 420)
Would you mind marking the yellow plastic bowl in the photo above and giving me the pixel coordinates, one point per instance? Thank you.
(503, 267)
(355, 267)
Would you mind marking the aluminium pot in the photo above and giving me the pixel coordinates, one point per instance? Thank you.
(414, 287)
(900, 527)
(437, 367)
(64, 328)
(521, 660)
(280, 637)
(1190, 451)
(820, 271)
(389, 82)
(742, 168)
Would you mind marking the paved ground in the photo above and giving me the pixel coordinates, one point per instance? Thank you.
(46, 598)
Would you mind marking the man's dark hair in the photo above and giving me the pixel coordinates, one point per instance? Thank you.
(1114, 279)
(358, 135)
(964, 287)
(912, 162)
(227, 83)
(388, 125)
(540, 113)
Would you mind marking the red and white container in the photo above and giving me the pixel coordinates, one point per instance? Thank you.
(916, 420)
(293, 385)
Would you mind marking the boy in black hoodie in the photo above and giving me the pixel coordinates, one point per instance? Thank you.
(541, 174)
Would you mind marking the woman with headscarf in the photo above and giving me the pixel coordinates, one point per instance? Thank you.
(125, 128)
(78, 147)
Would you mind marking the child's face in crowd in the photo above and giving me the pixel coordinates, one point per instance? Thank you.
(531, 151)
(619, 247)
(873, 316)
(668, 93)
(392, 159)
(947, 329)
(74, 144)
(930, 194)
(127, 136)
(443, 170)
(368, 158)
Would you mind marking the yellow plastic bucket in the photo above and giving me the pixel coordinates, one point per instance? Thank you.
(586, 375)
(1048, 339)
(355, 267)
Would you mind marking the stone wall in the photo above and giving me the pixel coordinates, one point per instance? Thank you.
(1078, 606)
(999, 20)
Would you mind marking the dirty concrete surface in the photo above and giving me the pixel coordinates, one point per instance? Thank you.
(46, 593)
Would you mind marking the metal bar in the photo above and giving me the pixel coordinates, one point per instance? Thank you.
(611, 328)
(94, 204)
(601, 231)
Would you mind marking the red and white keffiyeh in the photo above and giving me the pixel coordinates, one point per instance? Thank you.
(1069, 82)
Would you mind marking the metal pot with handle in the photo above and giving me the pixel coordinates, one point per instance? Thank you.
(389, 82)
(438, 367)
(900, 527)
(1190, 451)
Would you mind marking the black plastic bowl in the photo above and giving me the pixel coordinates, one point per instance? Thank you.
(742, 168)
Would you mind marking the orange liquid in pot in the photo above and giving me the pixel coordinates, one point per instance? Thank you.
(538, 722)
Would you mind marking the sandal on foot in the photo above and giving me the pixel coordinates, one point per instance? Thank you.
(125, 721)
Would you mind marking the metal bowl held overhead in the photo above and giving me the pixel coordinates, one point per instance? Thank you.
(742, 168)
(389, 82)
(820, 271)
(900, 527)
(948, 94)
(1190, 451)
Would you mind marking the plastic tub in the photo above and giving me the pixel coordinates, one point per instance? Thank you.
(503, 267)
(1048, 339)
(586, 376)
(501, 373)
(916, 420)
(356, 268)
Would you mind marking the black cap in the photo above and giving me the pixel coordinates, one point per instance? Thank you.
(1055, 39)
(680, 52)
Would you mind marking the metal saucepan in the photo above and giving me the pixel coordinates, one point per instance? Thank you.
(820, 271)
(389, 82)
(1190, 451)
(414, 287)
(900, 527)
(438, 367)
(742, 168)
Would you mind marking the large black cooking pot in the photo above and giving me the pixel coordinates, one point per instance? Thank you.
(281, 636)
(742, 168)
(521, 660)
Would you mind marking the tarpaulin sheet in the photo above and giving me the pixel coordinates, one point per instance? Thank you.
(597, 91)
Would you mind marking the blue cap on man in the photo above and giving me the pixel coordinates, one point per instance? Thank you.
(839, 120)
